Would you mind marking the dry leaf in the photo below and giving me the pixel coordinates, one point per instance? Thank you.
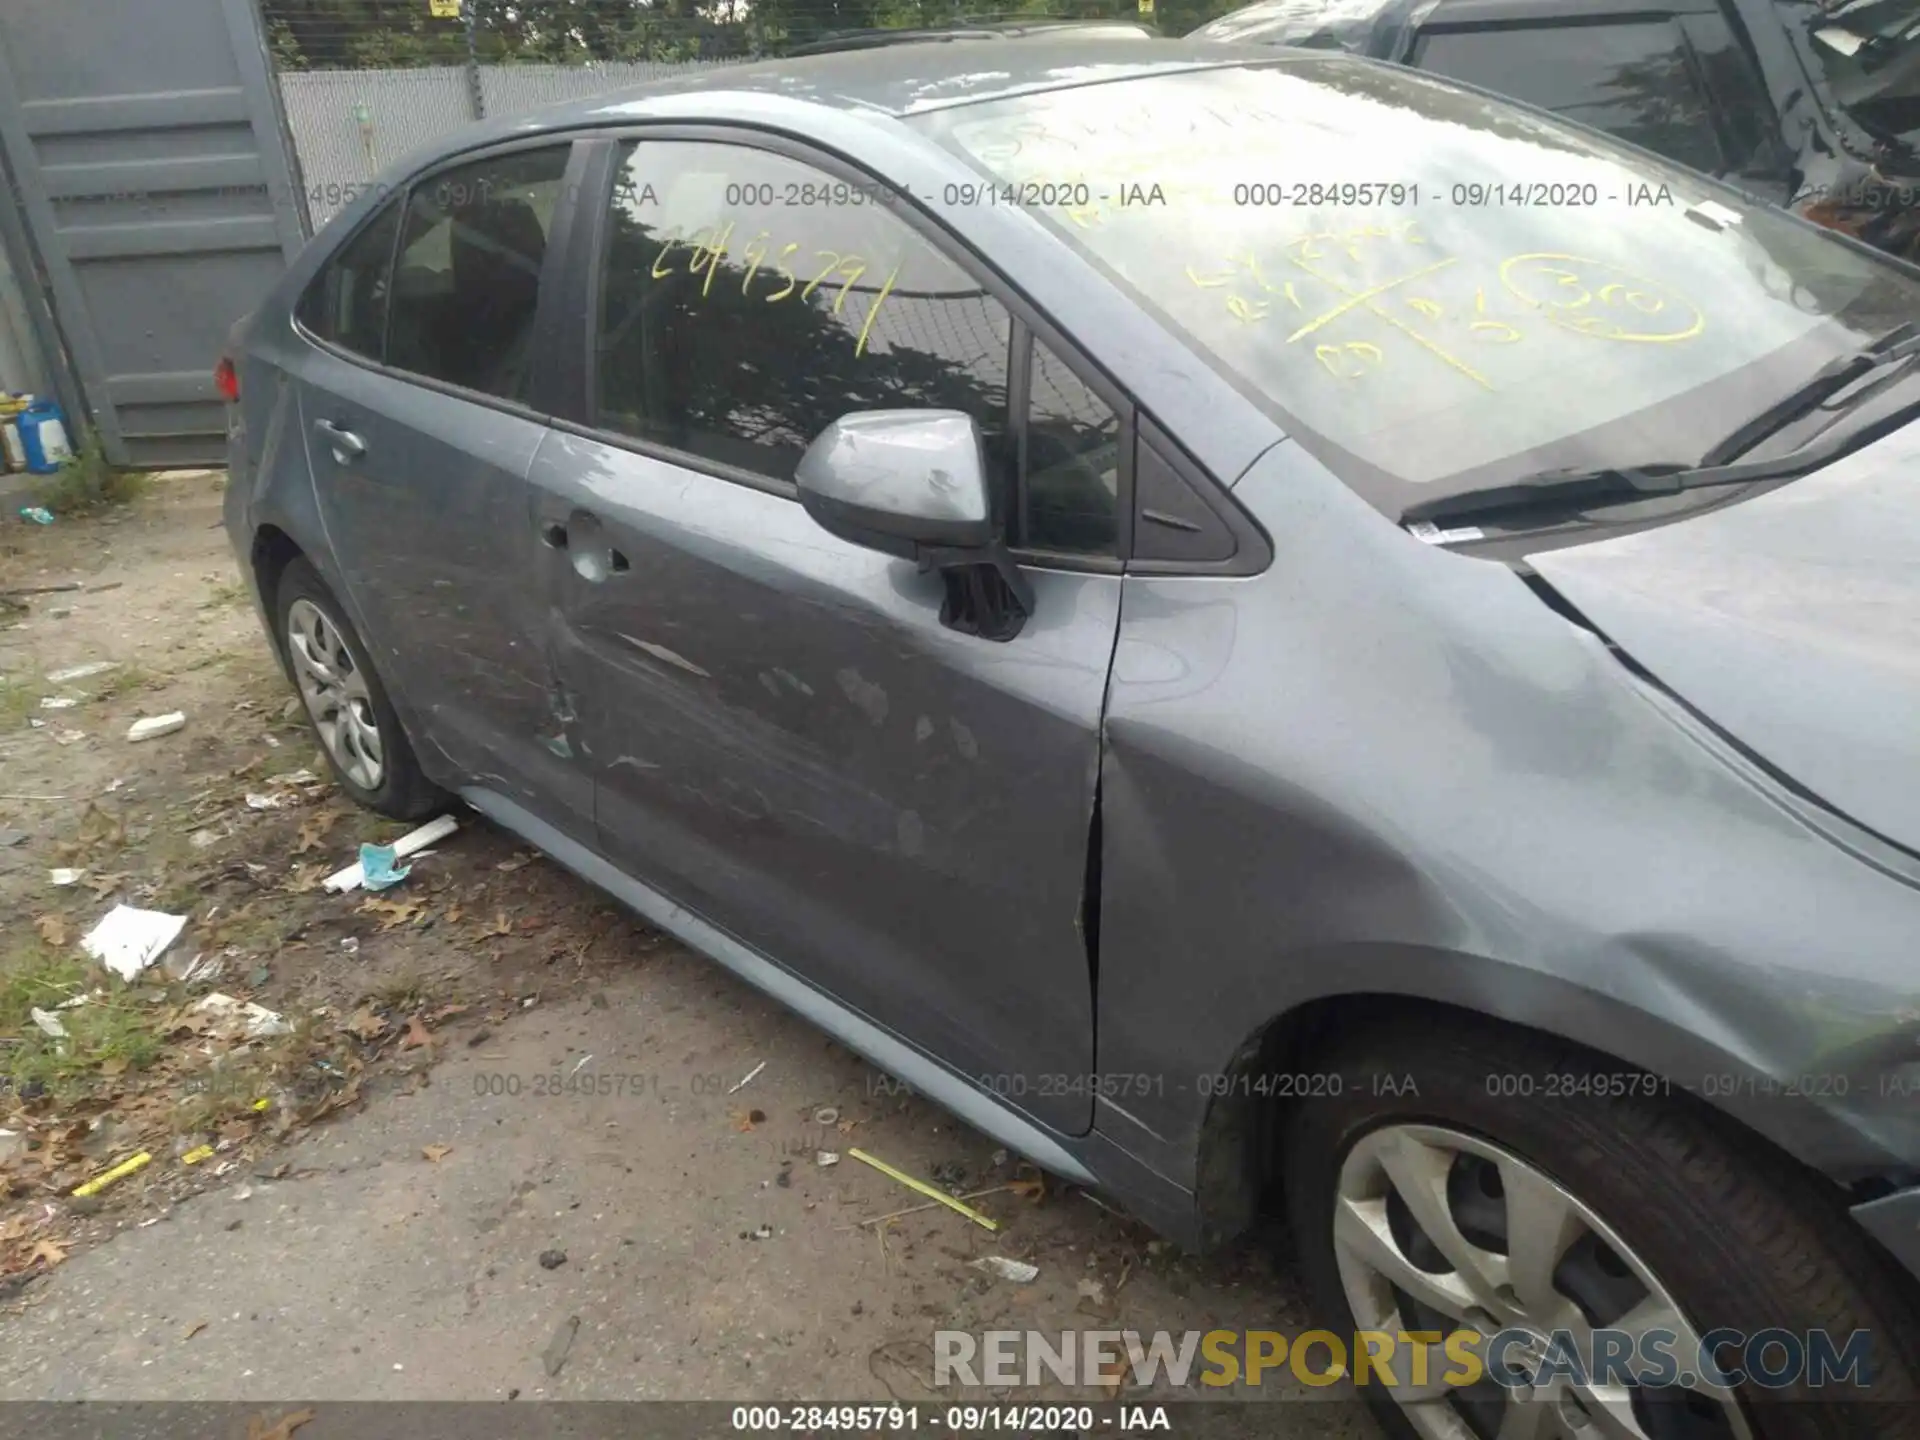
(314, 829)
(393, 912)
(745, 1120)
(453, 915)
(281, 1429)
(846, 1127)
(366, 1024)
(447, 1012)
(53, 929)
(1033, 1187)
(417, 1035)
(501, 926)
(194, 1329)
(1113, 1375)
(437, 1153)
(47, 1251)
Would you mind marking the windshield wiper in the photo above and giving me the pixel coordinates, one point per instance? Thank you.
(1612, 484)
(1576, 487)
(1830, 379)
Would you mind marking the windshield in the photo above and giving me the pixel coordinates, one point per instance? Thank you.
(1433, 290)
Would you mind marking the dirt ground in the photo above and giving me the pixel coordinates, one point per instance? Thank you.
(359, 1209)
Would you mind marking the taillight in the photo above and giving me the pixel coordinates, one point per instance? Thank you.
(226, 380)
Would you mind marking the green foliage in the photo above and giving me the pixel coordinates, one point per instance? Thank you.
(87, 481)
(359, 34)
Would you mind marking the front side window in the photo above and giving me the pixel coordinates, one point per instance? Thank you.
(347, 303)
(467, 282)
(748, 301)
(1631, 80)
(1072, 463)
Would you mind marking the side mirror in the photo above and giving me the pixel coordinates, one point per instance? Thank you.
(899, 480)
(913, 483)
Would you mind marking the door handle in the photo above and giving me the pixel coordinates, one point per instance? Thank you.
(347, 446)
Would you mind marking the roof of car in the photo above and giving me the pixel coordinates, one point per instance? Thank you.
(906, 79)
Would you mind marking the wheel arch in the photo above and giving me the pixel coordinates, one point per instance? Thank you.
(1238, 1166)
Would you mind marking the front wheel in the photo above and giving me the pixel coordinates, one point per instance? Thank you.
(346, 704)
(1570, 1244)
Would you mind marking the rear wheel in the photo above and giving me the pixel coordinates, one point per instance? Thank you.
(345, 702)
(1544, 1218)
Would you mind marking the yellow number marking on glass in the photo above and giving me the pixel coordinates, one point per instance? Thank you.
(860, 346)
(661, 258)
(1348, 361)
(781, 264)
(755, 250)
(1211, 281)
(1247, 311)
(853, 267)
(707, 256)
(1429, 308)
(833, 264)
(1370, 298)
(1355, 300)
(1617, 310)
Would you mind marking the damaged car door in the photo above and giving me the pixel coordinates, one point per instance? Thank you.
(787, 738)
(421, 418)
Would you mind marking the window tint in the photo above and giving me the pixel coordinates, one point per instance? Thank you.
(1072, 463)
(468, 278)
(347, 302)
(1630, 80)
(749, 301)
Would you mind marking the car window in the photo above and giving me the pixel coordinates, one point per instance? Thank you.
(1309, 24)
(1072, 463)
(347, 302)
(467, 281)
(1495, 294)
(748, 301)
(1631, 80)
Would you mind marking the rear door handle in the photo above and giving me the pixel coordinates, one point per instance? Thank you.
(347, 446)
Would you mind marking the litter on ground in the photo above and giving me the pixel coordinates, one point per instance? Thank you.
(127, 940)
(117, 1173)
(156, 725)
(939, 1197)
(254, 1021)
(354, 876)
(1001, 1268)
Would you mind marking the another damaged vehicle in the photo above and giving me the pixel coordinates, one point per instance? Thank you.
(1811, 105)
(1095, 575)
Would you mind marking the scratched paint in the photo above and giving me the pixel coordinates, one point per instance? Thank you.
(866, 696)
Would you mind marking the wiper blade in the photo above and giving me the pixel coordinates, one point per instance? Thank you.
(1836, 375)
(1575, 487)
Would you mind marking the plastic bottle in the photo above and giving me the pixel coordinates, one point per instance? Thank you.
(43, 436)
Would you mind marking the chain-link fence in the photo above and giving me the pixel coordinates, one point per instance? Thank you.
(366, 81)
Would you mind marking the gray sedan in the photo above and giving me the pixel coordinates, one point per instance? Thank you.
(1272, 632)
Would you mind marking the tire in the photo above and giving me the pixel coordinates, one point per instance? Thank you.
(353, 721)
(1731, 1233)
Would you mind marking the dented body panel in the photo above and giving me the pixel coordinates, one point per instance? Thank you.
(1380, 768)
(782, 734)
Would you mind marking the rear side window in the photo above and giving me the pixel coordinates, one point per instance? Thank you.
(749, 300)
(1633, 80)
(466, 284)
(346, 304)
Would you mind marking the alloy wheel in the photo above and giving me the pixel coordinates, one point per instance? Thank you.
(335, 693)
(1438, 1230)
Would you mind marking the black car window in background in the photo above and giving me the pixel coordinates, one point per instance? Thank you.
(347, 303)
(467, 281)
(1308, 24)
(1634, 80)
(749, 301)
(1072, 463)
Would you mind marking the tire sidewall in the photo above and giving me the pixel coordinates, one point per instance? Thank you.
(300, 581)
(1638, 1163)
